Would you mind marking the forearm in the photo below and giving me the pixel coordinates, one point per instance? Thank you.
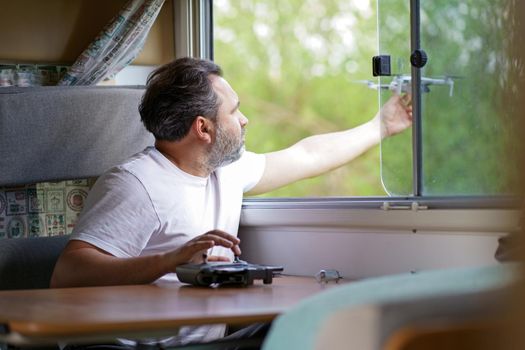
(83, 264)
(316, 155)
(319, 154)
(89, 267)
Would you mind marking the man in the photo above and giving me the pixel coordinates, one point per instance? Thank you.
(180, 200)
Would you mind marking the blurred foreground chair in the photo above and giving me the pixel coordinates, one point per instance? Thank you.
(471, 335)
(364, 315)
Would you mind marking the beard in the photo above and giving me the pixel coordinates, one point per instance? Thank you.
(226, 149)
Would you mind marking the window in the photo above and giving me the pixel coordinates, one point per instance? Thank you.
(298, 67)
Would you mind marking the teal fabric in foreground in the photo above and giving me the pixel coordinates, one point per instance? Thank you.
(296, 328)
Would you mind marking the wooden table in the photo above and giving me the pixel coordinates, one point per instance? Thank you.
(98, 313)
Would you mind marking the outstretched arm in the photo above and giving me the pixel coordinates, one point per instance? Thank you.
(82, 264)
(316, 155)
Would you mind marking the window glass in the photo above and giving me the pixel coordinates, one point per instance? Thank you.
(298, 67)
(394, 40)
(467, 139)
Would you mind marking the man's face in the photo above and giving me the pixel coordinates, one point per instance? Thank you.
(228, 145)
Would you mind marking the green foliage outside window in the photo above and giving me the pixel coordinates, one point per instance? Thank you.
(296, 65)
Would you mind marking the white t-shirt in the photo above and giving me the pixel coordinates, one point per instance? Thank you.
(148, 205)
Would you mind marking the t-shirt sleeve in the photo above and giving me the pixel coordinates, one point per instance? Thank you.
(118, 216)
(248, 170)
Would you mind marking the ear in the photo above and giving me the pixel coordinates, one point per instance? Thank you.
(203, 129)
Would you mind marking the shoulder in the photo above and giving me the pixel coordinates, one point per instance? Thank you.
(124, 180)
(249, 161)
(245, 172)
(141, 161)
(144, 167)
(116, 183)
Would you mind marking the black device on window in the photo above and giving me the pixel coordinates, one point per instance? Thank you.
(381, 65)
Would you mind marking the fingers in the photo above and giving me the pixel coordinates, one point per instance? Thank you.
(192, 251)
(407, 104)
(218, 258)
(195, 249)
(220, 238)
(396, 115)
(223, 239)
(407, 100)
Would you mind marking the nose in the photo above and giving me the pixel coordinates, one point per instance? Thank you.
(243, 120)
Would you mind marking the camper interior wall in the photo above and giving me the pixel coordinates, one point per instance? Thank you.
(362, 243)
(57, 31)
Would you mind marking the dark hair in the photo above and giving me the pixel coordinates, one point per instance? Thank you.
(176, 93)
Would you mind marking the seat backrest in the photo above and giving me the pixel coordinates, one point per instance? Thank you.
(54, 133)
(27, 263)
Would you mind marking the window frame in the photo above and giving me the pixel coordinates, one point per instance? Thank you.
(193, 28)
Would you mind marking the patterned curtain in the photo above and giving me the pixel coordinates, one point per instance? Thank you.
(116, 46)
